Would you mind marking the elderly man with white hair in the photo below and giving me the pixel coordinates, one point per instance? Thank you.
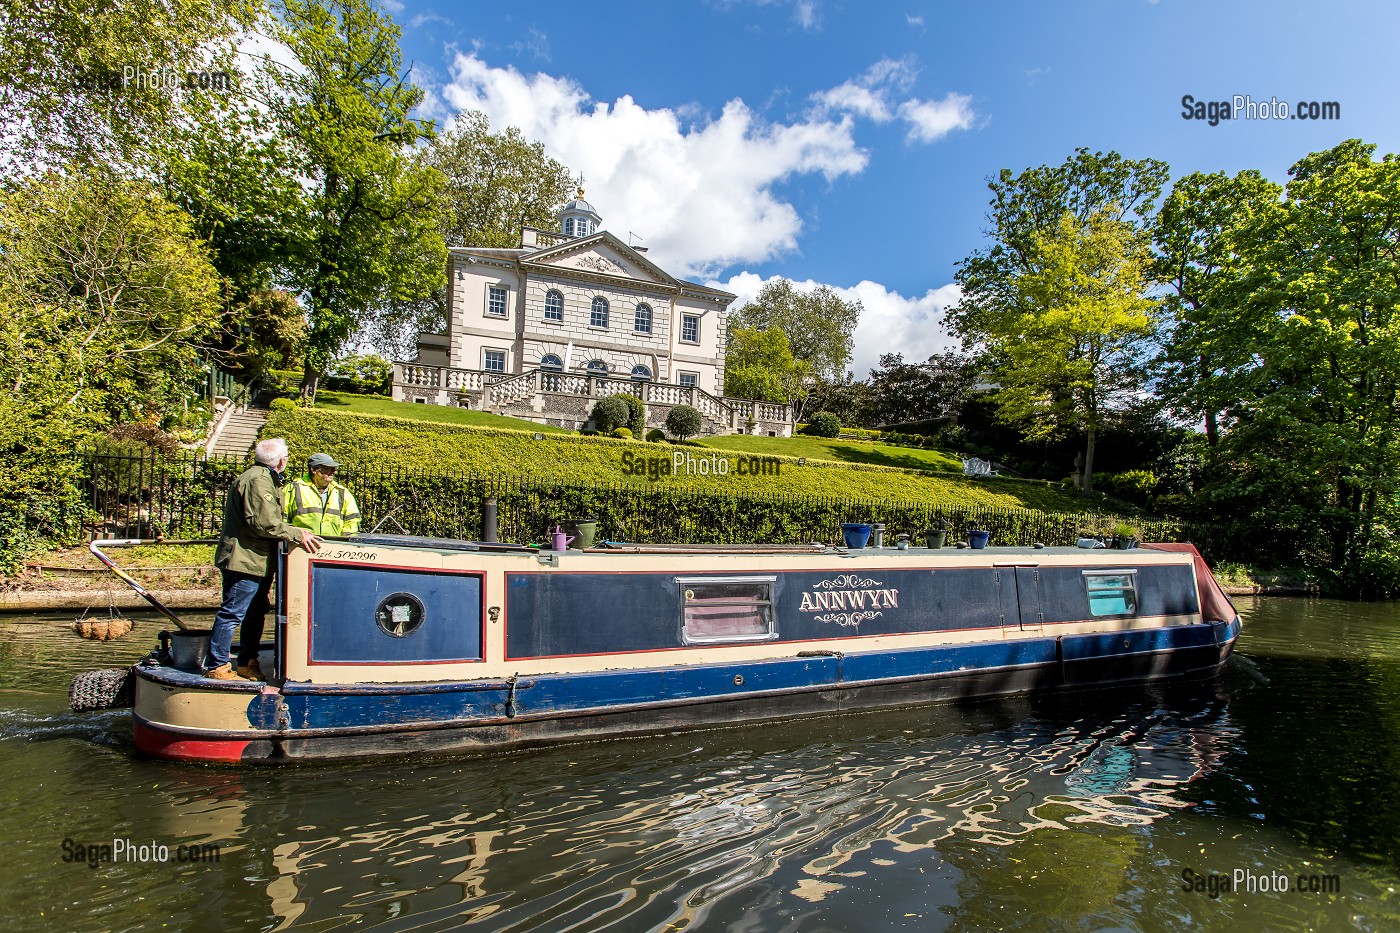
(247, 559)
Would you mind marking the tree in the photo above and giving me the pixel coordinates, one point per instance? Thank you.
(610, 412)
(758, 364)
(934, 390)
(1071, 342)
(1314, 445)
(684, 421)
(496, 184)
(1075, 205)
(72, 93)
(819, 324)
(372, 232)
(105, 297)
(1204, 234)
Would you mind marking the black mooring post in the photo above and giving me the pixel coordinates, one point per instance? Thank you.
(488, 522)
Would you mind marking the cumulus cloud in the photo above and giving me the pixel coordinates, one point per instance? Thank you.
(890, 322)
(655, 174)
(873, 95)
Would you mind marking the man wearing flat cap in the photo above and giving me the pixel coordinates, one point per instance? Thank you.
(318, 503)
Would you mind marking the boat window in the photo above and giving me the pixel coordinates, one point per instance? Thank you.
(1112, 593)
(727, 609)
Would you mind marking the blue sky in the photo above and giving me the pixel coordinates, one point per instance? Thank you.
(849, 144)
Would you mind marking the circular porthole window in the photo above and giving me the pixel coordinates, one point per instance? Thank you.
(399, 615)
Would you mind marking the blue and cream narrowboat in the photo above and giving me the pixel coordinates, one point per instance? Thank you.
(389, 645)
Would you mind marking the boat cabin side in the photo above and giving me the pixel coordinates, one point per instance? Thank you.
(362, 612)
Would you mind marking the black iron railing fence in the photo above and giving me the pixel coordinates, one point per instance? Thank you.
(154, 495)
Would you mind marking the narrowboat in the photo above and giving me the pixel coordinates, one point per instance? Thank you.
(388, 644)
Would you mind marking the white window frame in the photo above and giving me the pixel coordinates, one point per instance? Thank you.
(771, 635)
(548, 316)
(1131, 590)
(589, 370)
(593, 312)
(685, 320)
(505, 301)
(505, 360)
(684, 374)
(637, 318)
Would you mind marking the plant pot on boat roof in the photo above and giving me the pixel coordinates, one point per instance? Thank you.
(977, 538)
(936, 535)
(1125, 536)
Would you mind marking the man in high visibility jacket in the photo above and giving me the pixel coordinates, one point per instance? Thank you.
(318, 503)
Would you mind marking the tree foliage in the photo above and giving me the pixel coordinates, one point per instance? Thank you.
(758, 364)
(372, 235)
(819, 324)
(684, 421)
(933, 390)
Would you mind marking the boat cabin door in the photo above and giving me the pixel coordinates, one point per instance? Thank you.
(1019, 585)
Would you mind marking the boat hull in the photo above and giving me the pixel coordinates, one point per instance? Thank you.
(183, 716)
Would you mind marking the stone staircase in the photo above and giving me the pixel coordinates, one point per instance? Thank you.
(240, 432)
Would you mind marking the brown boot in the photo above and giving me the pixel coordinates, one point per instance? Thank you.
(222, 672)
(252, 670)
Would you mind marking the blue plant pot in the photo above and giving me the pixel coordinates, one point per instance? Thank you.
(857, 534)
(977, 540)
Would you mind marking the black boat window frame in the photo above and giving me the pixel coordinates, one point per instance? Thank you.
(764, 606)
(1130, 592)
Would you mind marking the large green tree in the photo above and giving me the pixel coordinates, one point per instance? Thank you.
(1039, 220)
(758, 364)
(819, 324)
(372, 234)
(931, 390)
(77, 76)
(495, 184)
(1071, 342)
(1315, 444)
(1206, 236)
(105, 298)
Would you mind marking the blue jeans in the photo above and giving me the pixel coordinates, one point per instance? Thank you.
(245, 603)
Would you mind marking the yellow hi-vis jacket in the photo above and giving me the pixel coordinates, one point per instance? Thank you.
(336, 515)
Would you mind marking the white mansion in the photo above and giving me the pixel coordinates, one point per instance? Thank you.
(543, 330)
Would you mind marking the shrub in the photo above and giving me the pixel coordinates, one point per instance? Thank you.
(622, 433)
(684, 421)
(611, 412)
(824, 424)
(281, 404)
(656, 435)
(636, 414)
(1134, 486)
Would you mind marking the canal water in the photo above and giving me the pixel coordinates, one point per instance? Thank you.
(1111, 809)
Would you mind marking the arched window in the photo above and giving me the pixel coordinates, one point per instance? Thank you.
(597, 368)
(641, 373)
(554, 305)
(552, 362)
(642, 322)
(599, 318)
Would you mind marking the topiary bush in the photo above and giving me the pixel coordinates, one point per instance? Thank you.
(824, 424)
(656, 435)
(636, 414)
(281, 404)
(622, 433)
(684, 421)
(611, 412)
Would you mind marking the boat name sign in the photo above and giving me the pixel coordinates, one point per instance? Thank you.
(848, 599)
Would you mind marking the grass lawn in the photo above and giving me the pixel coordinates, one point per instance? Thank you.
(844, 451)
(445, 414)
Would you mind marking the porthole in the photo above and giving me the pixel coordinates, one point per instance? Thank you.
(399, 615)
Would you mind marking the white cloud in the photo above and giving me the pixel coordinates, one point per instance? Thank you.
(700, 193)
(930, 120)
(889, 323)
(393, 6)
(872, 95)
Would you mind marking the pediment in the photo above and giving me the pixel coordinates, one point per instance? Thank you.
(601, 254)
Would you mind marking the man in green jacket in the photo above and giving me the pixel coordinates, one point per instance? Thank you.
(247, 560)
(318, 503)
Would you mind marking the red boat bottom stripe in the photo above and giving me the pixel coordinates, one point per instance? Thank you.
(162, 744)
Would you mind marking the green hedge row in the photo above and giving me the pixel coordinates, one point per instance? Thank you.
(376, 442)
